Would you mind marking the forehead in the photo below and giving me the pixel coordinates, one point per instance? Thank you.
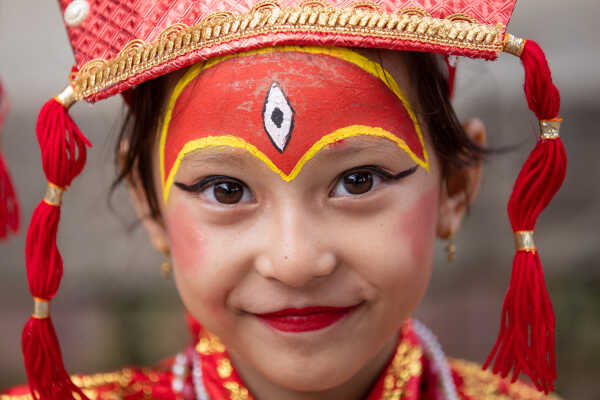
(283, 105)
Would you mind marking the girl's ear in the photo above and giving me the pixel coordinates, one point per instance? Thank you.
(154, 227)
(460, 186)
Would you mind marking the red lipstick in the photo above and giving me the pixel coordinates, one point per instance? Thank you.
(304, 319)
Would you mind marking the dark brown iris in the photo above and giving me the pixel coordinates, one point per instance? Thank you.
(358, 182)
(228, 192)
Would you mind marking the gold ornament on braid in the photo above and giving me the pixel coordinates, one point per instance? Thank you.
(67, 97)
(454, 31)
(550, 129)
(524, 241)
(54, 195)
(514, 45)
(41, 308)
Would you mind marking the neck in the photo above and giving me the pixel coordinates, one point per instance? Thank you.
(355, 388)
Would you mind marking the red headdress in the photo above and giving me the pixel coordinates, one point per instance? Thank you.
(121, 43)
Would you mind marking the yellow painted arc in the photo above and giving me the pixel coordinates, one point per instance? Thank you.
(343, 53)
(237, 142)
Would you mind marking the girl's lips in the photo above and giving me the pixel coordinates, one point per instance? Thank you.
(305, 319)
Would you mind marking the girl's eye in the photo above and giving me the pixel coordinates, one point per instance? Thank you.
(220, 189)
(354, 183)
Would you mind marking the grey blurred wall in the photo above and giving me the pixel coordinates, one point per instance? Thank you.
(113, 308)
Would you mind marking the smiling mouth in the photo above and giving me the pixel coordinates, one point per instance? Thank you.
(305, 319)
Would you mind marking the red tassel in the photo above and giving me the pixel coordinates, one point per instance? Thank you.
(9, 205)
(63, 149)
(526, 339)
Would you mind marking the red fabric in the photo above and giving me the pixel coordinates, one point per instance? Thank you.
(9, 205)
(526, 339)
(63, 149)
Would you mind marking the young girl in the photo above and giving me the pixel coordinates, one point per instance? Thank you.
(298, 178)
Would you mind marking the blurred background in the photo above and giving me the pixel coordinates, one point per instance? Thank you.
(114, 308)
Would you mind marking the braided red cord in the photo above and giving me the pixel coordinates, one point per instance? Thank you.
(63, 149)
(526, 339)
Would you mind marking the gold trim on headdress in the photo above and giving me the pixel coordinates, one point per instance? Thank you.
(454, 32)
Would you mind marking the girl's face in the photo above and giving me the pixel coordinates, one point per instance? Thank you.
(306, 278)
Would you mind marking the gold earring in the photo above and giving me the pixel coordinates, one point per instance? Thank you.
(451, 249)
(165, 267)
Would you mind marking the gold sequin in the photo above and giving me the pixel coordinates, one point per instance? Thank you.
(406, 365)
(209, 344)
(224, 368)
(236, 392)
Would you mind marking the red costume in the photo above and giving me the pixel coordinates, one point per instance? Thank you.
(121, 43)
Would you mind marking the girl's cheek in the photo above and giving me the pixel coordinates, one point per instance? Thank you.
(417, 225)
(185, 236)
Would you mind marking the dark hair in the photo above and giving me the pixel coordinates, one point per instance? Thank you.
(428, 73)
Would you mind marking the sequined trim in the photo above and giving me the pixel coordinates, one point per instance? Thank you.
(480, 384)
(405, 366)
(415, 25)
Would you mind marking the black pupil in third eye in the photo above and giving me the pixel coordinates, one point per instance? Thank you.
(228, 192)
(358, 182)
(277, 117)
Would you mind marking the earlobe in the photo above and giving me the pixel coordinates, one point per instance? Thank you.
(460, 186)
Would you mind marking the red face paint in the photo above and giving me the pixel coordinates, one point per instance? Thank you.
(270, 103)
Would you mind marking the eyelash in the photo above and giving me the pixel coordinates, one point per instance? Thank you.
(381, 173)
(204, 183)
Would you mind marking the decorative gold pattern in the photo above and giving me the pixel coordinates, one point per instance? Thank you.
(480, 384)
(209, 344)
(514, 45)
(90, 383)
(405, 366)
(41, 308)
(455, 31)
(524, 241)
(53, 195)
(550, 129)
(67, 97)
(224, 368)
(236, 392)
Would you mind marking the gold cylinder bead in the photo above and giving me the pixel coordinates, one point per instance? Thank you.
(524, 241)
(67, 97)
(514, 45)
(41, 308)
(550, 129)
(53, 195)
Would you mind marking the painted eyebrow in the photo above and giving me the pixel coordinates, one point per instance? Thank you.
(216, 155)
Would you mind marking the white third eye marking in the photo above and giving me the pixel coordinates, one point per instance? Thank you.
(278, 117)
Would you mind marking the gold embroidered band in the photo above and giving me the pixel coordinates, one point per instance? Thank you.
(53, 195)
(549, 129)
(41, 308)
(67, 97)
(513, 45)
(524, 241)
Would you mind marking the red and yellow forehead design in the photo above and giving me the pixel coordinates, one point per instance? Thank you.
(283, 105)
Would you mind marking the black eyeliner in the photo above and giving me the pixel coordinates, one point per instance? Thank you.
(202, 184)
(383, 173)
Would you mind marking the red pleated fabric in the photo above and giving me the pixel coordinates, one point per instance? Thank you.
(63, 149)
(526, 339)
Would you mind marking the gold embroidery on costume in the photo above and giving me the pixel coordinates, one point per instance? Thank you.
(455, 31)
(224, 368)
(236, 392)
(209, 344)
(480, 384)
(405, 365)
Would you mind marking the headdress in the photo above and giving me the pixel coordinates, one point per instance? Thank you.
(121, 43)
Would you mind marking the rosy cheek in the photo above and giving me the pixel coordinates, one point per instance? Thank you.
(185, 236)
(418, 224)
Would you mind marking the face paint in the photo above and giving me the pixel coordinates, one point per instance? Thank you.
(269, 103)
